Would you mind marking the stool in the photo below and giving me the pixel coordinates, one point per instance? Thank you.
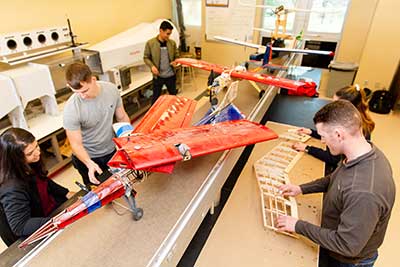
(192, 78)
(189, 70)
(12, 105)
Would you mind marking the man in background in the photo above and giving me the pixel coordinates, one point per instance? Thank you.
(160, 54)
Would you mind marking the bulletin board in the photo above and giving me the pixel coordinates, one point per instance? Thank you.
(231, 20)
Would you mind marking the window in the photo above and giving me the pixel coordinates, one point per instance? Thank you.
(330, 22)
(269, 16)
(191, 12)
(314, 25)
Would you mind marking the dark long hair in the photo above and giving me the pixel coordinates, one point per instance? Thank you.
(356, 96)
(13, 165)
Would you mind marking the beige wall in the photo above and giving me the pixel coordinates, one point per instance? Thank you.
(356, 29)
(92, 20)
(226, 54)
(381, 53)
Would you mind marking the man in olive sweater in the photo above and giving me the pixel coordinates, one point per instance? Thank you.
(358, 195)
(160, 53)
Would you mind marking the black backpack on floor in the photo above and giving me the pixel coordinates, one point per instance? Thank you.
(381, 102)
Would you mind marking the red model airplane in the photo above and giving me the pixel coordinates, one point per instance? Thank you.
(297, 86)
(161, 138)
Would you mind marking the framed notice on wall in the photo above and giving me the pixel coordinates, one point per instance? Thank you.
(217, 3)
(235, 21)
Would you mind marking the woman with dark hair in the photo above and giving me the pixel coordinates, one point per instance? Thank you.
(357, 97)
(27, 195)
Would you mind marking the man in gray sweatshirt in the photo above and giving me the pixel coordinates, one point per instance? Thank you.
(358, 195)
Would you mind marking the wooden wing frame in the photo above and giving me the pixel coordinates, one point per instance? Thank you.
(293, 135)
(271, 172)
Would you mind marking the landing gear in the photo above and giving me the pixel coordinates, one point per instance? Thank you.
(138, 214)
(130, 198)
(261, 93)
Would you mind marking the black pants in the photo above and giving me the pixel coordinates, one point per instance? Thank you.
(325, 260)
(83, 170)
(158, 83)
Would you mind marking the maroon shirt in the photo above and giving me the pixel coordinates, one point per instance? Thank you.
(46, 200)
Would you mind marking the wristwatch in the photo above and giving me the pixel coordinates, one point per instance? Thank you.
(307, 149)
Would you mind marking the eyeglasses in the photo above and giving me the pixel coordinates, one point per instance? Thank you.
(80, 91)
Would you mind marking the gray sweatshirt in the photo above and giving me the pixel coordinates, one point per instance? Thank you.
(358, 200)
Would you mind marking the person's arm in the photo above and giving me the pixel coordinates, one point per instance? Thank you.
(147, 56)
(16, 205)
(56, 189)
(357, 223)
(75, 139)
(315, 134)
(121, 115)
(148, 59)
(316, 186)
(323, 155)
(59, 190)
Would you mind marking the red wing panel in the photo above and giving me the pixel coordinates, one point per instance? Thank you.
(168, 112)
(200, 64)
(167, 168)
(253, 76)
(158, 148)
(120, 161)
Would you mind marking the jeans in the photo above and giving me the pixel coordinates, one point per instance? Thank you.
(325, 260)
(158, 83)
(83, 170)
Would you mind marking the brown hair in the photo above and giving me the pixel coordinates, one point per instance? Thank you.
(340, 112)
(357, 97)
(76, 73)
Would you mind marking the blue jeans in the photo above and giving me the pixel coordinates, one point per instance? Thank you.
(327, 261)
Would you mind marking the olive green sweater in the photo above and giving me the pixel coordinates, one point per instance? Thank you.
(358, 200)
(152, 52)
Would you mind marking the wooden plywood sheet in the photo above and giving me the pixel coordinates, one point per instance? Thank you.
(239, 237)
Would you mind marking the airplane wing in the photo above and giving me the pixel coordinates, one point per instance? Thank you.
(168, 112)
(247, 75)
(106, 192)
(141, 151)
(278, 49)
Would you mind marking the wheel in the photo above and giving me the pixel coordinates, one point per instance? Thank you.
(262, 92)
(214, 101)
(138, 214)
